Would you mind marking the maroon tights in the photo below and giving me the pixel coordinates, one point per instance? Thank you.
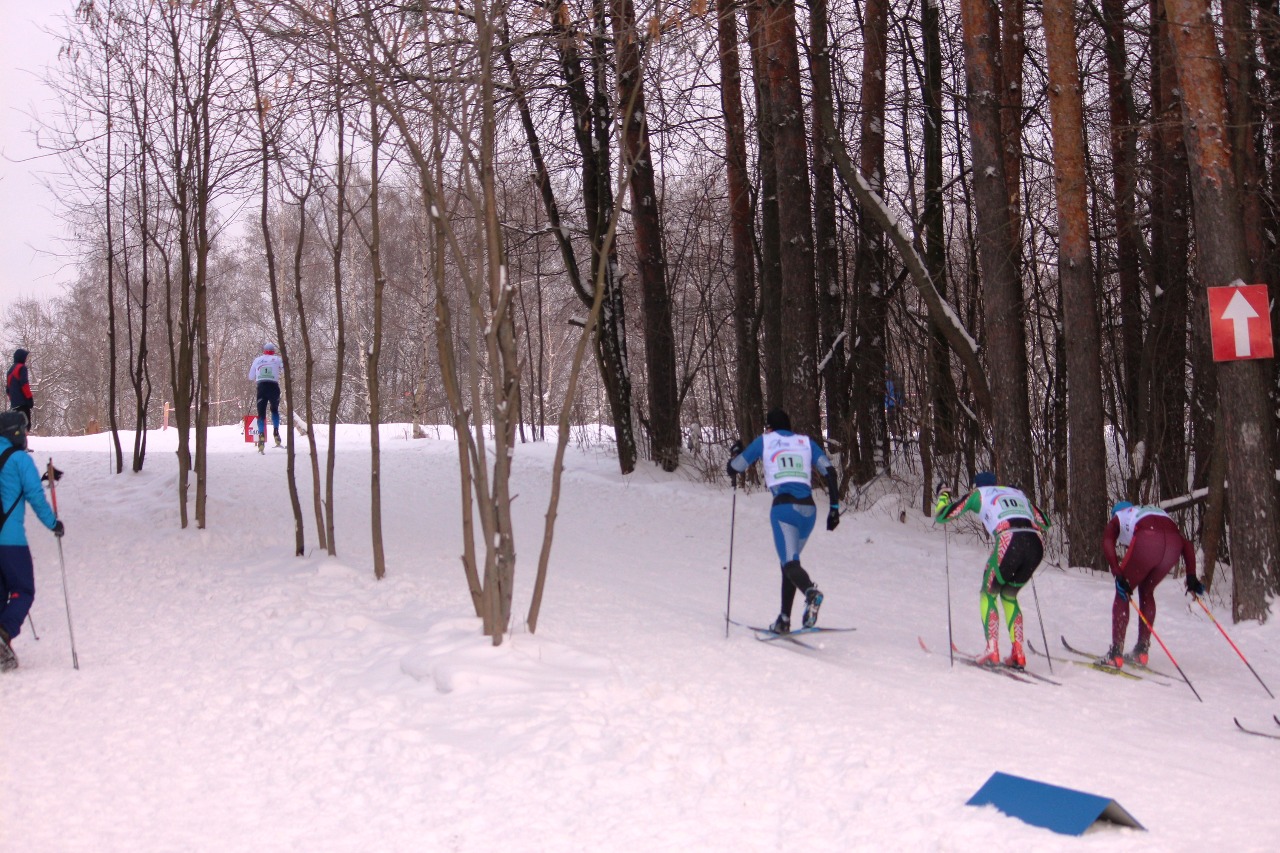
(1154, 551)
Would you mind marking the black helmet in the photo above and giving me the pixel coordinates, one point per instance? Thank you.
(777, 419)
(13, 426)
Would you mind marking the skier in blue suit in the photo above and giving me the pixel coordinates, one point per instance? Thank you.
(789, 461)
(19, 483)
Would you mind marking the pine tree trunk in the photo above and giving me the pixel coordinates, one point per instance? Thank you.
(996, 235)
(826, 255)
(1124, 159)
(942, 388)
(1247, 416)
(799, 336)
(1081, 327)
(1161, 386)
(870, 276)
(750, 403)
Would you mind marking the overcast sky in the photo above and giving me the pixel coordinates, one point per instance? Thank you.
(30, 233)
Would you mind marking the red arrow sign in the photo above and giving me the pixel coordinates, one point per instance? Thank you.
(1240, 322)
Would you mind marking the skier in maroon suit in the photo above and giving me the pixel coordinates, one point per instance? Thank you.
(1153, 546)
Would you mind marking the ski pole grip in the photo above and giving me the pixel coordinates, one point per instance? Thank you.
(53, 487)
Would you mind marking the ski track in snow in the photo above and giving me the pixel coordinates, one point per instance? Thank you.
(233, 697)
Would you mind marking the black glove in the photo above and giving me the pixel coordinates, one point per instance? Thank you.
(833, 517)
(58, 528)
(1194, 586)
(735, 449)
(57, 475)
(1123, 589)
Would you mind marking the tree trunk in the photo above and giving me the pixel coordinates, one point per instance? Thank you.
(1081, 328)
(1124, 158)
(870, 369)
(1222, 259)
(770, 244)
(831, 298)
(749, 412)
(1013, 49)
(799, 334)
(1161, 384)
(591, 131)
(996, 238)
(646, 217)
(374, 354)
(942, 389)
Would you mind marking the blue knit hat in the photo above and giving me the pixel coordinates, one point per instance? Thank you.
(1120, 505)
(984, 478)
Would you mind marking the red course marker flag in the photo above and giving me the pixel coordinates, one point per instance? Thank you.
(1240, 322)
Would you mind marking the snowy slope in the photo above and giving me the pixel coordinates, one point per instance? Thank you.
(233, 697)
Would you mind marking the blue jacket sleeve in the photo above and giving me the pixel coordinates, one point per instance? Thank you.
(34, 492)
(748, 457)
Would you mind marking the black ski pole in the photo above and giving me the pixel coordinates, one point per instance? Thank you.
(1040, 618)
(733, 520)
(946, 552)
(32, 624)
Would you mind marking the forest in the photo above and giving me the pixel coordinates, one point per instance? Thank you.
(947, 236)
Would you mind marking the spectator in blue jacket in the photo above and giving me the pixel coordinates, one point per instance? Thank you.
(19, 483)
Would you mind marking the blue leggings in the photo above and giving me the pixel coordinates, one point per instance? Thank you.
(268, 395)
(17, 586)
(792, 524)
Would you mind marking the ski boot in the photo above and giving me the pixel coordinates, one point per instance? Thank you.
(278, 444)
(8, 660)
(812, 602)
(1114, 658)
(1017, 658)
(991, 657)
(1140, 655)
(261, 442)
(781, 625)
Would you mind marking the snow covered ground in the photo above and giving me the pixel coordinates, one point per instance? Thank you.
(233, 697)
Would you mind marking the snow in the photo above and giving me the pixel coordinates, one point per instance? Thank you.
(231, 696)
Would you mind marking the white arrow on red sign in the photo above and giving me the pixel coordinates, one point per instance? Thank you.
(1239, 312)
(1240, 322)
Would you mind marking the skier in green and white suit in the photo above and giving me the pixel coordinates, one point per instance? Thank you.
(1016, 523)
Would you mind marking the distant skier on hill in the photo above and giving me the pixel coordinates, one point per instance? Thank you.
(1016, 524)
(19, 485)
(789, 460)
(1153, 545)
(267, 369)
(18, 386)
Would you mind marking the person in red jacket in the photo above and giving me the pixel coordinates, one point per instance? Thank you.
(1152, 545)
(18, 386)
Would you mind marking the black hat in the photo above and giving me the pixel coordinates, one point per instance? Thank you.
(13, 426)
(19, 355)
(778, 419)
(984, 478)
